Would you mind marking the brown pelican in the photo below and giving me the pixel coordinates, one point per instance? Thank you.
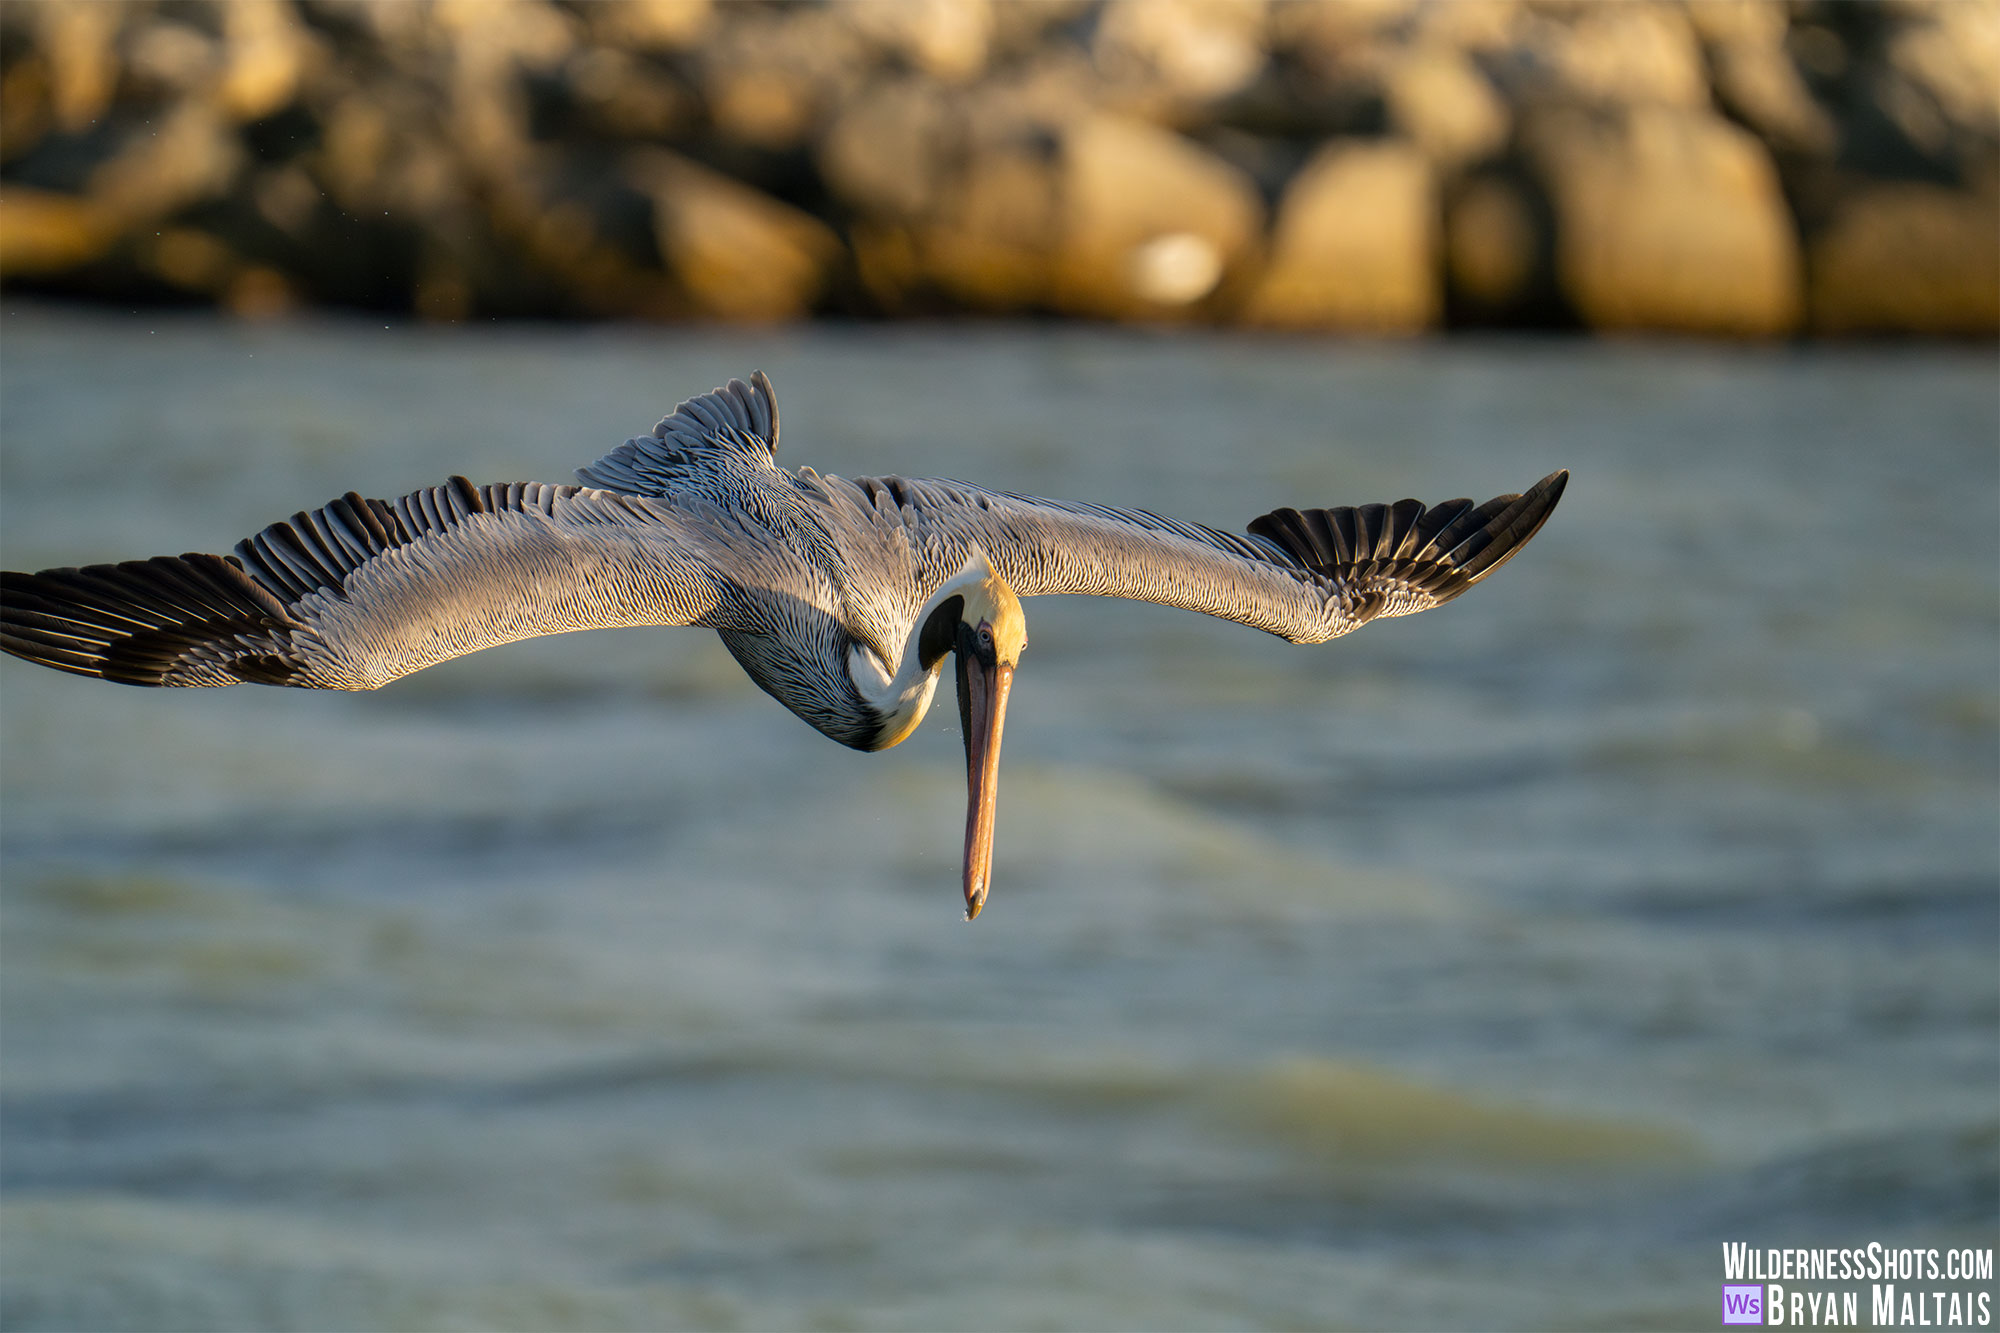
(840, 598)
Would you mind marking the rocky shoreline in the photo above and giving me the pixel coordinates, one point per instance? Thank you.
(1714, 167)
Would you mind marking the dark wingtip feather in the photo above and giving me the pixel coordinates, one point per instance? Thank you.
(165, 621)
(1512, 528)
(1384, 554)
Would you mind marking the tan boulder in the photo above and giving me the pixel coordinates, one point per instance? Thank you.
(1022, 29)
(265, 50)
(188, 258)
(386, 155)
(1088, 213)
(187, 155)
(1190, 50)
(1755, 77)
(487, 45)
(1668, 220)
(1738, 22)
(76, 42)
(165, 59)
(1149, 222)
(1356, 244)
(532, 34)
(1485, 26)
(1903, 257)
(946, 39)
(883, 154)
(655, 25)
(1761, 86)
(1632, 52)
(993, 240)
(1329, 36)
(1954, 58)
(45, 232)
(737, 253)
(769, 77)
(623, 96)
(1441, 102)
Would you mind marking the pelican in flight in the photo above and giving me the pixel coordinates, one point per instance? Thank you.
(841, 598)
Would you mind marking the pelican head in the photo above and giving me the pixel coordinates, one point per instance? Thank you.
(975, 618)
(988, 633)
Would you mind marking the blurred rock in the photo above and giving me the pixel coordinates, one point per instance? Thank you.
(621, 96)
(1738, 22)
(946, 39)
(1088, 214)
(1021, 29)
(1906, 257)
(1954, 57)
(25, 113)
(1535, 161)
(386, 156)
(188, 156)
(1760, 85)
(884, 151)
(769, 77)
(1668, 220)
(579, 225)
(1633, 52)
(992, 243)
(77, 41)
(1484, 28)
(1125, 186)
(1441, 102)
(44, 232)
(1355, 246)
(890, 267)
(190, 259)
(286, 198)
(524, 32)
(1335, 38)
(165, 59)
(1495, 242)
(490, 43)
(1185, 50)
(259, 292)
(1757, 79)
(1940, 86)
(738, 254)
(1817, 49)
(265, 51)
(649, 25)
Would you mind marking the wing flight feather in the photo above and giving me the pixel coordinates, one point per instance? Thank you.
(359, 592)
(1306, 575)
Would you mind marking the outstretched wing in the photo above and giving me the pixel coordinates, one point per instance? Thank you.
(739, 419)
(354, 594)
(1304, 575)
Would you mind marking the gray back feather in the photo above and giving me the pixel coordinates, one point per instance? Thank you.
(739, 419)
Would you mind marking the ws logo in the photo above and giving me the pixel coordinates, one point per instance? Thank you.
(1742, 1303)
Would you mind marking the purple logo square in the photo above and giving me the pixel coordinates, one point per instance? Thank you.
(1742, 1303)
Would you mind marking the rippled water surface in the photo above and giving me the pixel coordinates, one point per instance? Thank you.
(1487, 968)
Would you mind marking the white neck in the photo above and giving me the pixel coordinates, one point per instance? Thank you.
(904, 700)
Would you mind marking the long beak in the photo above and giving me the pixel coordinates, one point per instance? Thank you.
(982, 708)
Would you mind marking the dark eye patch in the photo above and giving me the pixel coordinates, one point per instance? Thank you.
(940, 632)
